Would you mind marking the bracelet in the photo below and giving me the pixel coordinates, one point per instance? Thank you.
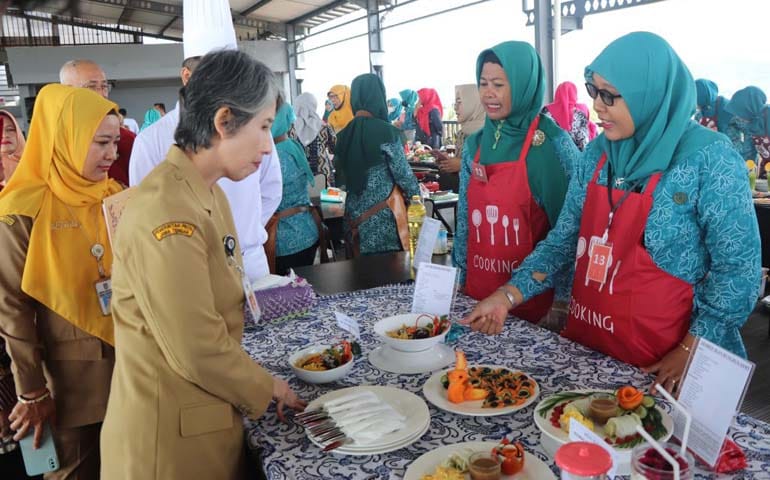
(30, 401)
(509, 296)
(685, 347)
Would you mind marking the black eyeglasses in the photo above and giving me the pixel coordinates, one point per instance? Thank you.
(608, 98)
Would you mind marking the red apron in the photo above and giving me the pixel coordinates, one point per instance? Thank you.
(762, 144)
(711, 122)
(641, 312)
(504, 225)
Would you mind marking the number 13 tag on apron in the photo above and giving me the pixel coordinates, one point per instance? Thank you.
(104, 294)
(599, 263)
(479, 172)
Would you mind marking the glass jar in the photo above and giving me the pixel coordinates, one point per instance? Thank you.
(648, 464)
(583, 461)
(484, 466)
(602, 407)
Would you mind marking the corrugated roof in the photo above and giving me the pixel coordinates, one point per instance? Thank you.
(262, 19)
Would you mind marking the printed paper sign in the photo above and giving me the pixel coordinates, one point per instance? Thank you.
(434, 289)
(427, 241)
(712, 392)
(348, 324)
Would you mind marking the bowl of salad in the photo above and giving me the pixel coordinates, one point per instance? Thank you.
(324, 363)
(412, 332)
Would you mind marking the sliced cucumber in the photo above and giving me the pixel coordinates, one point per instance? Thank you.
(641, 411)
(648, 401)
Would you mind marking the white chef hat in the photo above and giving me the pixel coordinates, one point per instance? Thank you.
(208, 26)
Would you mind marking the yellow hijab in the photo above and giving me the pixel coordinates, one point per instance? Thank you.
(59, 271)
(340, 117)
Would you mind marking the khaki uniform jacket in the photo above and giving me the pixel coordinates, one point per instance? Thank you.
(46, 350)
(181, 378)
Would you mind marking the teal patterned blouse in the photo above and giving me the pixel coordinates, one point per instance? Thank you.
(737, 130)
(378, 234)
(297, 232)
(567, 154)
(710, 240)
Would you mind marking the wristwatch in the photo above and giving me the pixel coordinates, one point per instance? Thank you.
(509, 296)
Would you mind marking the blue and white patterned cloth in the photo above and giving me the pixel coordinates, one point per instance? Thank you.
(702, 229)
(556, 363)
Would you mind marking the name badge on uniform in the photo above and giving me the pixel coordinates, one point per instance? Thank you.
(599, 263)
(248, 291)
(479, 172)
(104, 294)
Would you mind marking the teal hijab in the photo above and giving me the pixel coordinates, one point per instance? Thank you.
(660, 94)
(395, 105)
(150, 117)
(711, 103)
(409, 98)
(359, 144)
(526, 77)
(747, 104)
(284, 119)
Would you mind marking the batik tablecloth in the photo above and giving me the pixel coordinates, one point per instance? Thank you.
(556, 363)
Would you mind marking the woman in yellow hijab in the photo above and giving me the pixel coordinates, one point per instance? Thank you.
(54, 274)
(342, 114)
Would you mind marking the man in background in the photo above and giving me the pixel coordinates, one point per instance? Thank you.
(129, 123)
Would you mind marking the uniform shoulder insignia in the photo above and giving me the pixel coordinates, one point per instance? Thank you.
(173, 228)
(8, 220)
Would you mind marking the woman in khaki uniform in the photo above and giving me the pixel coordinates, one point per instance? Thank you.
(58, 331)
(182, 380)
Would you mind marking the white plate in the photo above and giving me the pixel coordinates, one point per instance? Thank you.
(435, 393)
(406, 403)
(534, 468)
(362, 452)
(409, 363)
(382, 327)
(552, 438)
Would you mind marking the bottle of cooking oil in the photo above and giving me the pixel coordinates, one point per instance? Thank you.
(415, 215)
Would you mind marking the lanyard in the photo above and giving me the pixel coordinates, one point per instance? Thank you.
(615, 206)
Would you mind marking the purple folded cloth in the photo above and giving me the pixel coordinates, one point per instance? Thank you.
(282, 303)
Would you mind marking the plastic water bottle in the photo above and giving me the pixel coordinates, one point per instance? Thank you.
(415, 216)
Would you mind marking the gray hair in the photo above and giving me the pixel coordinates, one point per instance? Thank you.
(223, 79)
(70, 68)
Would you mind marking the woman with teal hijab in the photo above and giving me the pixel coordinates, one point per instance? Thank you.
(746, 107)
(712, 112)
(371, 164)
(679, 258)
(512, 176)
(394, 109)
(151, 116)
(409, 99)
(296, 238)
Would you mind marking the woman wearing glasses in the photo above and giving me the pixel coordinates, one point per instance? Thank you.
(512, 177)
(658, 219)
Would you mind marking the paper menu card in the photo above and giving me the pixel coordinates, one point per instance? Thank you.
(112, 207)
(434, 289)
(712, 391)
(349, 324)
(427, 240)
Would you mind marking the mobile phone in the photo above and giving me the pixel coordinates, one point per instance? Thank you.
(42, 460)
